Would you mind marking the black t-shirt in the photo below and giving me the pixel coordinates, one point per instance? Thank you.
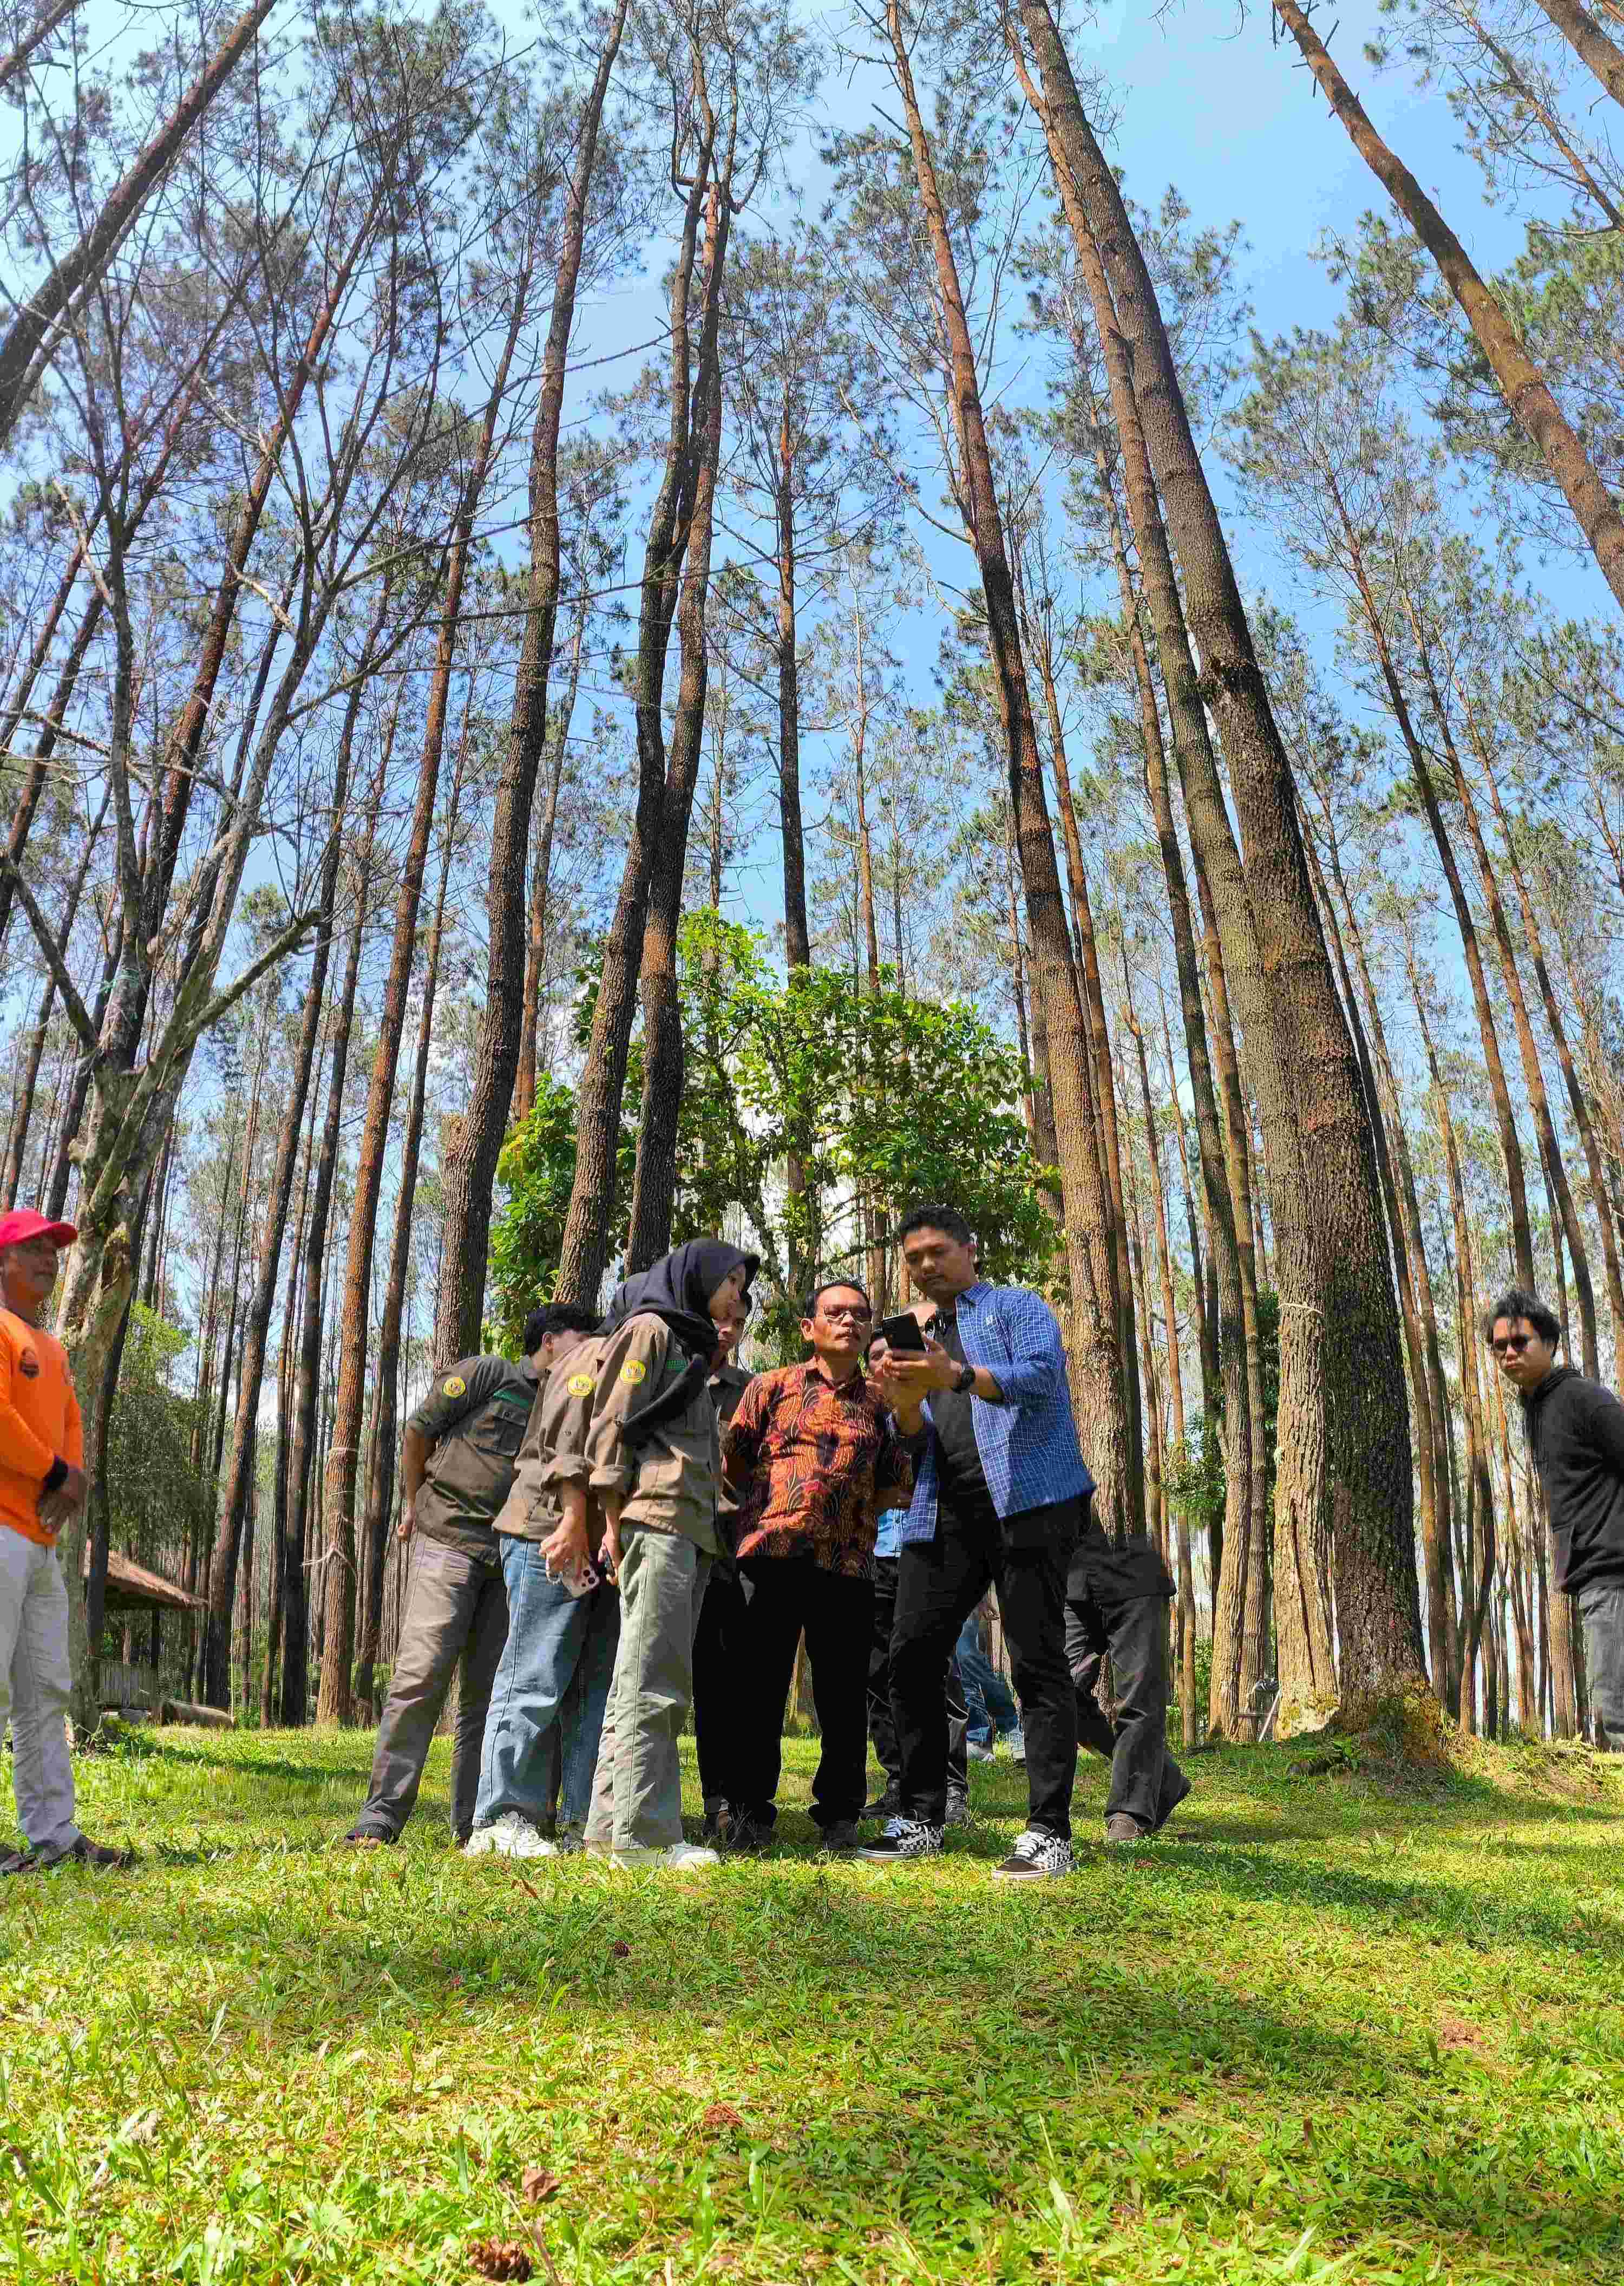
(960, 1479)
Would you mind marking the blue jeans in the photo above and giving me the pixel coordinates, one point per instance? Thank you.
(993, 1712)
(549, 1694)
(1601, 1605)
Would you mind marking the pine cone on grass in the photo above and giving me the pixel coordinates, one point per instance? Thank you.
(499, 2258)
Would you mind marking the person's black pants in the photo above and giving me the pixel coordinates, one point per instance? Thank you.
(788, 1594)
(882, 1729)
(939, 1583)
(1116, 1607)
(720, 1649)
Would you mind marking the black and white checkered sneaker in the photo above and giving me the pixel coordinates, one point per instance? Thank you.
(1034, 1858)
(903, 1837)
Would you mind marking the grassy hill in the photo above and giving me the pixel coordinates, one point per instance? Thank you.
(1326, 2028)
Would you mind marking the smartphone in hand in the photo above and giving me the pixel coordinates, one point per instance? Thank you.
(903, 1334)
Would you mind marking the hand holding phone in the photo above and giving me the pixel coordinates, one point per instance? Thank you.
(901, 1333)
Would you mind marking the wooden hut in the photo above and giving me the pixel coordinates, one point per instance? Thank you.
(129, 1682)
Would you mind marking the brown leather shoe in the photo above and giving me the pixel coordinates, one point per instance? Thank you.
(80, 1852)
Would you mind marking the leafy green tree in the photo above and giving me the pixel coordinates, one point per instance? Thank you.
(894, 1099)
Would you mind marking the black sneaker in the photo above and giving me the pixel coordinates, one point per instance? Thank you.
(957, 1807)
(740, 1834)
(841, 1838)
(1034, 1858)
(903, 1837)
(886, 1803)
(373, 1837)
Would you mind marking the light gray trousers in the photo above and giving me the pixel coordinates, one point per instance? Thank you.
(34, 1687)
(637, 1791)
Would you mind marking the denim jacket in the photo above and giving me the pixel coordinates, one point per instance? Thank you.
(1028, 1445)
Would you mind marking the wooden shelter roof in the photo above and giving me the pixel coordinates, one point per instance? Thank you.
(132, 1587)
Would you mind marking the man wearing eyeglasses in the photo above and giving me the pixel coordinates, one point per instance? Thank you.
(1576, 1436)
(813, 1457)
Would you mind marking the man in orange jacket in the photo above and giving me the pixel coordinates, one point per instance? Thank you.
(42, 1488)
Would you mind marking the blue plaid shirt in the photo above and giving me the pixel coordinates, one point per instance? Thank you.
(1028, 1445)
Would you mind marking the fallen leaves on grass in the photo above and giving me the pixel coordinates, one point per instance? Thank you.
(537, 2184)
(719, 2115)
(1455, 2032)
(620, 1949)
(499, 2258)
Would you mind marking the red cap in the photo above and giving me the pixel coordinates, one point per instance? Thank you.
(23, 1224)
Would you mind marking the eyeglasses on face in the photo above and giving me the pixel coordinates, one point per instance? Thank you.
(1511, 1344)
(853, 1311)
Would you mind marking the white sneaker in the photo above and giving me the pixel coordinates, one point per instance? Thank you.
(508, 1836)
(1034, 1857)
(1015, 1740)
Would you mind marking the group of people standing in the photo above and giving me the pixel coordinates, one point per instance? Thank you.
(627, 1527)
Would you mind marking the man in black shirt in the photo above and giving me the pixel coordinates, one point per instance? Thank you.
(1575, 1432)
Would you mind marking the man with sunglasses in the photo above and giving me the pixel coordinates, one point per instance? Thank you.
(1575, 1432)
(813, 1458)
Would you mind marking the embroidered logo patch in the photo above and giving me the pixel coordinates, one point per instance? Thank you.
(634, 1370)
(454, 1386)
(581, 1385)
(28, 1364)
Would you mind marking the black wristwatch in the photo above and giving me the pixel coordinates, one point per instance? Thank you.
(965, 1381)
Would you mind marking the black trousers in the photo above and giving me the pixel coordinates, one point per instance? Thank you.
(939, 1583)
(882, 1728)
(1116, 1607)
(718, 1653)
(788, 1594)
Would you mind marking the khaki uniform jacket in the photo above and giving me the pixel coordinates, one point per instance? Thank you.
(559, 1419)
(474, 1418)
(667, 1480)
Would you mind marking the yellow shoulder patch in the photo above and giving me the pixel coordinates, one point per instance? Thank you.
(454, 1386)
(634, 1370)
(581, 1385)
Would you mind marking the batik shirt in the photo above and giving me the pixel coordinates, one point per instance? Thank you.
(816, 1464)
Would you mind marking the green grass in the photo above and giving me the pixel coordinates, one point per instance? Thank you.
(1324, 2030)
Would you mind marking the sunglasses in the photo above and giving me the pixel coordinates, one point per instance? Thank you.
(857, 1317)
(1511, 1345)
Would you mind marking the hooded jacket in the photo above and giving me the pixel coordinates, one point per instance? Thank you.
(1576, 1437)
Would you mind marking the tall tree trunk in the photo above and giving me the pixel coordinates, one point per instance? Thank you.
(654, 1180)
(1421, 774)
(339, 1585)
(306, 1391)
(1578, 1104)
(1521, 383)
(469, 1171)
(381, 1478)
(1339, 1345)
(237, 1481)
(1098, 1367)
(542, 880)
(27, 344)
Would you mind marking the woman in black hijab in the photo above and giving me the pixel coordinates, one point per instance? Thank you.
(652, 1459)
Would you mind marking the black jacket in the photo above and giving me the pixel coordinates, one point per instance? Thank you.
(1576, 1436)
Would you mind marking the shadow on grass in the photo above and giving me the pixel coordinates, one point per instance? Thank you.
(965, 2028)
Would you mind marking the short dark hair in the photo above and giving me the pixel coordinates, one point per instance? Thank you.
(1517, 1302)
(558, 1317)
(947, 1218)
(833, 1286)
